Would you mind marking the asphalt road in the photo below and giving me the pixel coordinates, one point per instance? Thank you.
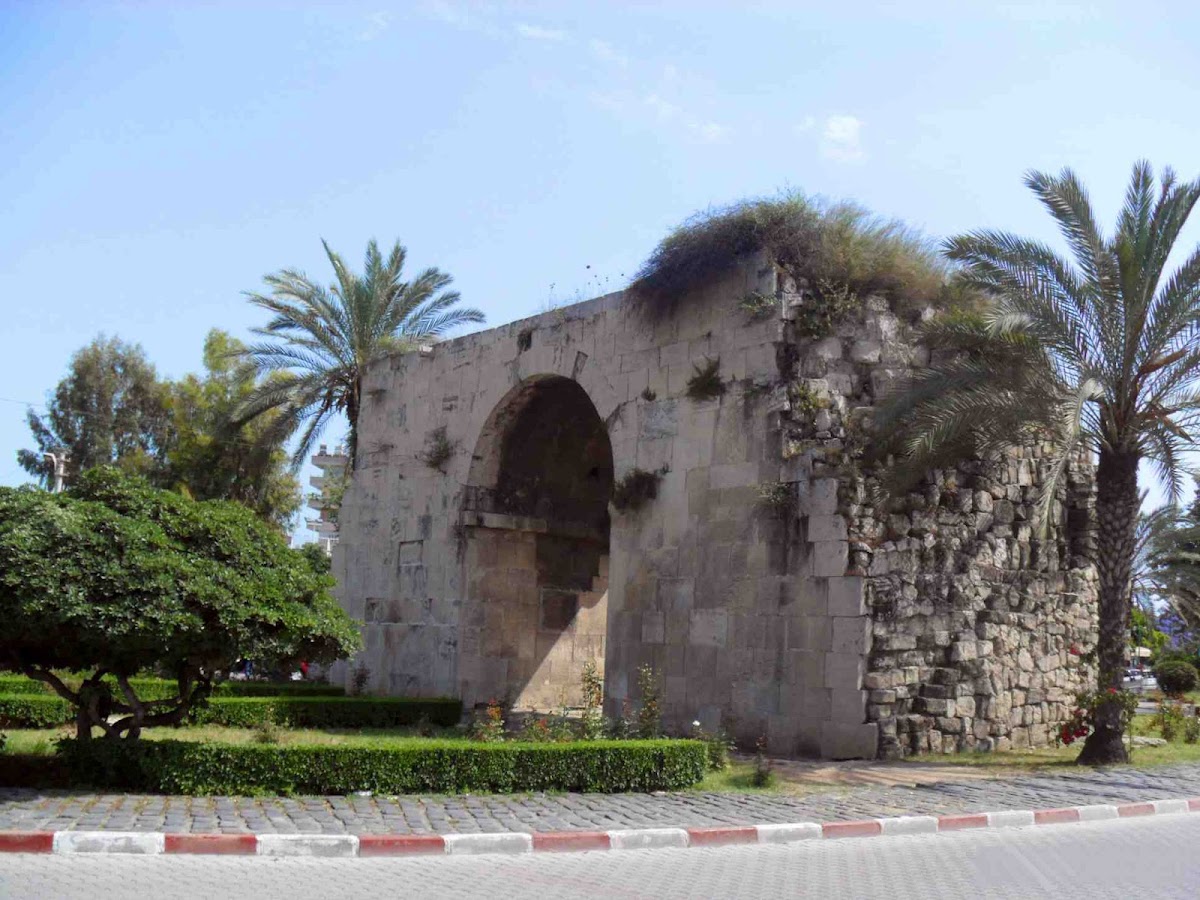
(1152, 857)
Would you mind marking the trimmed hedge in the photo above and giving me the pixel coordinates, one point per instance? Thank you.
(328, 712)
(47, 711)
(34, 711)
(180, 767)
(1176, 677)
(163, 688)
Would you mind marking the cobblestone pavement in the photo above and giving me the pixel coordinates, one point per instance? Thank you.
(23, 809)
(1152, 857)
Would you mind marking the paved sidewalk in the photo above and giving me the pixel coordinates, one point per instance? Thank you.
(28, 810)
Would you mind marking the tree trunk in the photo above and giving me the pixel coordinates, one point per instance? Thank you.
(1117, 502)
(352, 408)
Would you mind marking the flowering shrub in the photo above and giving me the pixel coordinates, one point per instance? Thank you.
(490, 727)
(1170, 719)
(591, 721)
(649, 715)
(1079, 724)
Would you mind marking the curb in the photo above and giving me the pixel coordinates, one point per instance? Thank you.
(377, 845)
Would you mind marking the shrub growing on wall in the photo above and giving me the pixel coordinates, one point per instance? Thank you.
(836, 248)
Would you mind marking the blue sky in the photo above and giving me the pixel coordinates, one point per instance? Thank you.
(158, 159)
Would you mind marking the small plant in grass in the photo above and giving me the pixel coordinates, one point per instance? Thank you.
(649, 716)
(621, 728)
(706, 383)
(1170, 719)
(763, 774)
(439, 449)
(636, 488)
(757, 305)
(489, 727)
(267, 733)
(424, 726)
(718, 744)
(591, 721)
(359, 680)
(537, 731)
(562, 730)
(1176, 677)
(1191, 729)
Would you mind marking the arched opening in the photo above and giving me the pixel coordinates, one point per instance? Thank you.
(536, 531)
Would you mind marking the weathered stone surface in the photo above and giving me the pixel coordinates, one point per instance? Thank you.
(759, 580)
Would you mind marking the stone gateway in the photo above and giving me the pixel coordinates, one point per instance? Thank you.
(686, 491)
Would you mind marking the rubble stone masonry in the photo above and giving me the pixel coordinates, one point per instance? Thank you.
(767, 587)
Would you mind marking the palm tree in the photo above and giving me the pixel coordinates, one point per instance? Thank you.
(1167, 566)
(1095, 353)
(323, 339)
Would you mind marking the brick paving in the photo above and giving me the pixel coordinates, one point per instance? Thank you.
(23, 809)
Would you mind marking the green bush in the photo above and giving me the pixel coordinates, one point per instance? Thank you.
(34, 711)
(165, 688)
(1176, 677)
(328, 712)
(180, 767)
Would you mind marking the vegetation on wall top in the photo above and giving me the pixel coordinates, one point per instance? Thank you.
(833, 247)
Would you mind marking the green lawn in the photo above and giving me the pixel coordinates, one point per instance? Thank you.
(41, 741)
(736, 778)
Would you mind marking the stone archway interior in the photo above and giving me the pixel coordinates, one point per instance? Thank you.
(537, 528)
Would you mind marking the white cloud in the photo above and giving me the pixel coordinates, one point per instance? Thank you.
(841, 139)
(537, 33)
(606, 52)
(461, 17)
(673, 114)
(376, 24)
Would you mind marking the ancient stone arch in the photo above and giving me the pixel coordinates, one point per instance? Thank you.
(760, 583)
(536, 530)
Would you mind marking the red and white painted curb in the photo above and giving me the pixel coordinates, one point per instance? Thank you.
(152, 843)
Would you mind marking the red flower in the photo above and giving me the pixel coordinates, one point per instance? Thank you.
(1112, 690)
(1074, 651)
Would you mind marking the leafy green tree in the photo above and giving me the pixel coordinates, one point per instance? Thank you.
(110, 409)
(1143, 630)
(115, 576)
(1096, 353)
(322, 339)
(213, 458)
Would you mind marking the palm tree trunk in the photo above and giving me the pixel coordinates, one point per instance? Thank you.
(353, 405)
(1117, 504)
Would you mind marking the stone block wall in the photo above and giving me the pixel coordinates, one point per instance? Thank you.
(761, 585)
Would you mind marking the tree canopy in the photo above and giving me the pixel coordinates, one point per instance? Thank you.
(110, 409)
(115, 576)
(113, 409)
(210, 457)
(321, 340)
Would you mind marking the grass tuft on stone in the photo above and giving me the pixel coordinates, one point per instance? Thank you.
(706, 383)
(838, 249)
